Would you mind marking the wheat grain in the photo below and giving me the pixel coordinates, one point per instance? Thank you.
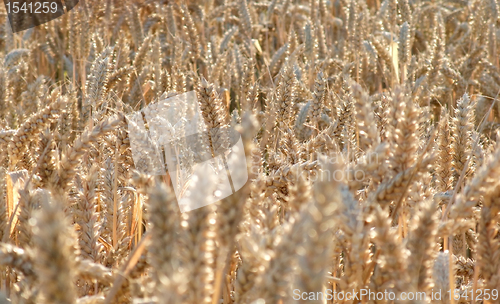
(394, 101)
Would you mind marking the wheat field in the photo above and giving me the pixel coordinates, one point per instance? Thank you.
(371, 135)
